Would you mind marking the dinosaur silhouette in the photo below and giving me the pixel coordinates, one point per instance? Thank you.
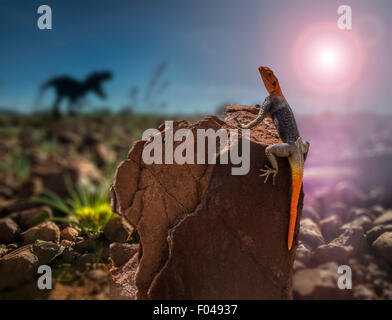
(74, 90)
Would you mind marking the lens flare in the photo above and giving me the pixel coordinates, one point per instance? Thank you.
(327, 59)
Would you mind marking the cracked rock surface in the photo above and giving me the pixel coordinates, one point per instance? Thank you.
(205, 233)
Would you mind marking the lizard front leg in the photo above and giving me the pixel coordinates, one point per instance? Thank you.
(276, 150)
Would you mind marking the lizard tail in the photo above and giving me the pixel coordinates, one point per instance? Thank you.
(297, 170)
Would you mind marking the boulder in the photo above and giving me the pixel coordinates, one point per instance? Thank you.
(9, 230)
(47, 231)
(206, 233)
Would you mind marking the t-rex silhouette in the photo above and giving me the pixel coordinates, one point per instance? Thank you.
(74, 90)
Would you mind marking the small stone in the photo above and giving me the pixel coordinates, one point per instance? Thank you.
(122, 252)
(319, 283)
(374, 272)
(46, 251)
(385, 218)
(363, 221)
(97, 275)
(68, 255)
(377, 210)
(19, 266)
(84, 259)
(330, 226)
(87, 245)
(340, 210)
(351, 241)
(363, 292)
(383, 246)
(377, 231)
(66, 243)
(358, 212)
(118, 230)
(310, 233)
(304, 253)
(32, 217)
(311, 213)
(12, 247)
(331, 252)
(69, 234)
(47, 231)
(298, 265)
(9, 230)
(3, 250)
(353, 235)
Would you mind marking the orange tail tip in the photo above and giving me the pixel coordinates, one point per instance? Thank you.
(296, 177)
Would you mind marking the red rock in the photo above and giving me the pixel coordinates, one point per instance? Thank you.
(118, 230)
(205, 233)
(122, 252)
(9, 230)
(47, 231)
(69, 234)
(31, 217)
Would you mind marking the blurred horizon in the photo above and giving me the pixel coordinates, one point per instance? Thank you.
(183, 57)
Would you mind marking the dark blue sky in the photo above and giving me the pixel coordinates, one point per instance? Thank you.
(213, 49)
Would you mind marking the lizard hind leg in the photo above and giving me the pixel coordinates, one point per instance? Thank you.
(276, 150)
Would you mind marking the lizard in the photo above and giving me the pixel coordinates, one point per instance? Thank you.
(293, 147)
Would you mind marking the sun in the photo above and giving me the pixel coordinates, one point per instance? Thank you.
(326, 59)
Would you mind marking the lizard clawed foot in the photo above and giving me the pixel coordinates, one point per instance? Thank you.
(267, 172)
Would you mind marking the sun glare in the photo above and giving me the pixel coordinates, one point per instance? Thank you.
(327, 59)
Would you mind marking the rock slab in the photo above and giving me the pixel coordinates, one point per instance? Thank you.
(205, 233)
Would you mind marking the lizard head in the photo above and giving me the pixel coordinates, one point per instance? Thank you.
(270, 81)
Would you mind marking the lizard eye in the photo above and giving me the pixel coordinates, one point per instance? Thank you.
(269, 74)
(274, 83)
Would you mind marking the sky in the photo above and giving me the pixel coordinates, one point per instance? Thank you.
(208, 50)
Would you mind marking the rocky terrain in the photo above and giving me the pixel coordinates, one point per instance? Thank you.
(346, 219)
(344, 226)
